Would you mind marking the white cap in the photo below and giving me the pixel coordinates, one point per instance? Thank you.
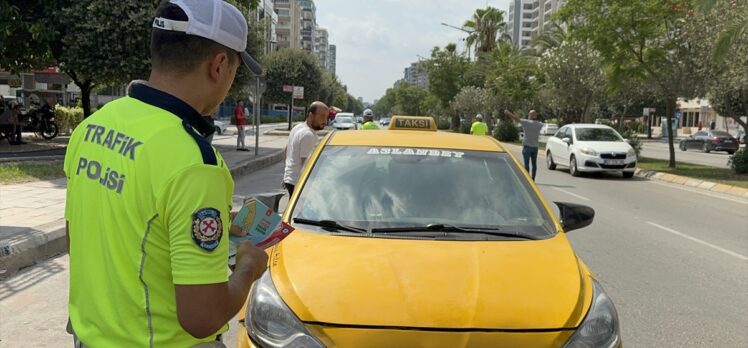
(214, 20)
(368, 112)
(479, 116)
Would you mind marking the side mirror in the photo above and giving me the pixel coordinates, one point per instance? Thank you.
(567, 140)
(575, 216)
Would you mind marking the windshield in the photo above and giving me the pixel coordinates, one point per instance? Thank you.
(344, 119)
(722, 134)
(380, 187)
(597, 134)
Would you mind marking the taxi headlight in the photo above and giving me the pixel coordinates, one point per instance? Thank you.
(270, 323)
(601, 327)
(588, 151)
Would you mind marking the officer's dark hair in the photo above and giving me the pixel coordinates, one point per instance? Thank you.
(179, 52)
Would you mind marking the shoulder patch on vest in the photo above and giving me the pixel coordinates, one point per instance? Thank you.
(207, 228)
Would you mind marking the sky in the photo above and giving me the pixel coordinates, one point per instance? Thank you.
(377, 39)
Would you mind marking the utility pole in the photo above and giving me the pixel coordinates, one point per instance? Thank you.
(469, 32)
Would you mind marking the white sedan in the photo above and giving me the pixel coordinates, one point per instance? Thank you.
(220, 127)
(590, 148)
(549, 129)
(344, 122)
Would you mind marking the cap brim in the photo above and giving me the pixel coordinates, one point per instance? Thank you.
(251, 63)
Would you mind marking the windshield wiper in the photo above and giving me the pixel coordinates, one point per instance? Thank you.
(330, 224)
(493, 231)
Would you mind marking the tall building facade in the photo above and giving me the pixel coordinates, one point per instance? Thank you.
(527, 19)
(331, 60)
(288, 29)
(267, 12)
(416, 74)
(321, 46)
(308, 23)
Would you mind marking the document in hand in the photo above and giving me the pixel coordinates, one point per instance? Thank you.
(261, 225)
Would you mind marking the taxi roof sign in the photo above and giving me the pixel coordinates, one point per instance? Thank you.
(421, 123)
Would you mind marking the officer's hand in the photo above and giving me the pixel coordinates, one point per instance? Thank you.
(251, 259)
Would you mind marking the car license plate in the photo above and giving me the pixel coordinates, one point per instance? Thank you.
(728, 141)
(614, 162)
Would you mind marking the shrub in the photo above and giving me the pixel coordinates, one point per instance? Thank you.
(506, 131)
(68, 118)
(633, 139)
(465, 126)
(442, 123)
(739, 161)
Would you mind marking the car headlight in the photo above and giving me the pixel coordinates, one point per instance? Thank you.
(587, 151)
(600, 327)
(270, 323)
(631, 152)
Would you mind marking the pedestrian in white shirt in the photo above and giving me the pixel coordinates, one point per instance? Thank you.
(301, 143)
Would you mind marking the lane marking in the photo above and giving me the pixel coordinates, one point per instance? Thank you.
(698, 191)
(728, 252)
(573, 194)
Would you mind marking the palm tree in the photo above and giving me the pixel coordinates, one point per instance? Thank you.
(486, 29)
(731, 34)
(553, 36)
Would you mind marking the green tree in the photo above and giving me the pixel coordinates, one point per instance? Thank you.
(408, 99)
(446, 69)
(514, 79)
(727, 84)
(96, 42)
(645, 40)
(553, 36)
(106, 48)
(486, 27)
(25, 34)
(573, 75)
(292, 67)
(471, 101)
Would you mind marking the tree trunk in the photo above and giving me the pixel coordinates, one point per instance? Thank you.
(670, 111)
(86, 87)
(623, 115)
(456, 122)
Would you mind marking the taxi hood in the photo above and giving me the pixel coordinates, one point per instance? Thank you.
(360, 281)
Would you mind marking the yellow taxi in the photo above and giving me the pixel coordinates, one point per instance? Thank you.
(409, 237)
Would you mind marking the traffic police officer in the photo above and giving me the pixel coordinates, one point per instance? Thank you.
(478, 127)
(368, 120)
(148, 197)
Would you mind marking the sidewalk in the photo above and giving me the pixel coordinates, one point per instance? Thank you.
(32, 226)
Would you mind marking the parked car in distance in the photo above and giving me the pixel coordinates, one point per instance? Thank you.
(220, 126)
(344, 121)
(710, 140)
(385, 121)
(549, 129)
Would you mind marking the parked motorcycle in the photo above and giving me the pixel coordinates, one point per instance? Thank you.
(42, 121)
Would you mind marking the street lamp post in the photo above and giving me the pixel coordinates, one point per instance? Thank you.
(470, 32)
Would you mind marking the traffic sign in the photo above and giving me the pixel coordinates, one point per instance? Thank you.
(287, 88)
(298, 92)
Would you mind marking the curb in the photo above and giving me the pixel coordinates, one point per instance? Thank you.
(32, 159)
(693, 183)
(26, 248)
(29, 247)
(254, 164)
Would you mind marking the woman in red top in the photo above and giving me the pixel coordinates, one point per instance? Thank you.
(241, 121)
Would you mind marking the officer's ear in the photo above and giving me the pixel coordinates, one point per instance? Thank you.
(220, 65)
